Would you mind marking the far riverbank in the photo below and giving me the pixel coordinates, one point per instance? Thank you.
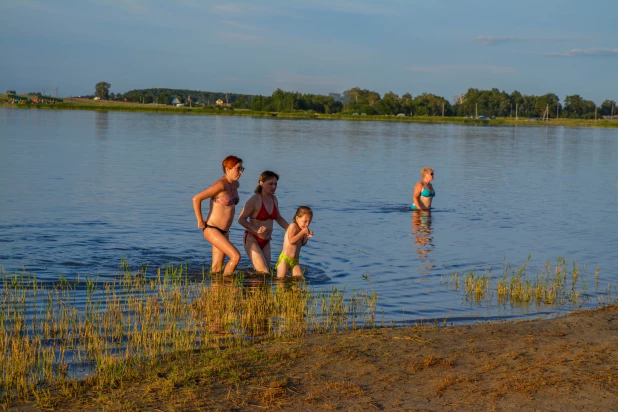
(102, 105)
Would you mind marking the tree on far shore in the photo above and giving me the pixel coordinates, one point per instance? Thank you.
(102, 90)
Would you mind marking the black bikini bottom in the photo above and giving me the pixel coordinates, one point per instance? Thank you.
(223, 232)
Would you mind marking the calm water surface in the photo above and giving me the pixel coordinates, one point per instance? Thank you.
(81, 190)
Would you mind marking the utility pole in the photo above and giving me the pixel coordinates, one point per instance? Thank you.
(595, 113)
(557, 109)
(516, 118)
(442, 109)
(477, 111)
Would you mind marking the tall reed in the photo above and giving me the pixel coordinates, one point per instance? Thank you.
(55, 334)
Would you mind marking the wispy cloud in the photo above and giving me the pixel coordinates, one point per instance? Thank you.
(246, 9)
(463, 67)
(352, 7)
(241, 37)
(134, 6)
(592, 52)
(497, 40)
(241, 26)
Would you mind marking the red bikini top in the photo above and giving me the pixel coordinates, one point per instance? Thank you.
(263, 214)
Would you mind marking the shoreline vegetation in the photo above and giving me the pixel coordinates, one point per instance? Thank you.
(180, 339)
(119, 106)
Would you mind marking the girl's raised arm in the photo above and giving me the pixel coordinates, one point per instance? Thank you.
(296, 233)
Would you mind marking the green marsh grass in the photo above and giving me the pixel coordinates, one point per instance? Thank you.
(55, 335)
(555, 284)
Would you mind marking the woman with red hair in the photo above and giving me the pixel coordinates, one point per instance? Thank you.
(223, 195)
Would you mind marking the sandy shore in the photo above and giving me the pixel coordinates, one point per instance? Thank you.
(564, 364)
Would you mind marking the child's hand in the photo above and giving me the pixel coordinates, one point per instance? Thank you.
(261, 230)
(309, 233)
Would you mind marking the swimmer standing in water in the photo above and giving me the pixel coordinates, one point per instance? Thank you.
(423, 191)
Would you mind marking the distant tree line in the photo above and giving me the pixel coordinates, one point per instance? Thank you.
(356, 100)
(501, 104)
(165, 96)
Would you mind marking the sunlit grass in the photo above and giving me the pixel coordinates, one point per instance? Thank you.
(53, 335)
(555, 284)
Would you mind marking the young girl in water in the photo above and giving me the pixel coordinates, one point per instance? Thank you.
(296, 236)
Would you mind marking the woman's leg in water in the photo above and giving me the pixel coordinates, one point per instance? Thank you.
(222, 247)
(256, 254)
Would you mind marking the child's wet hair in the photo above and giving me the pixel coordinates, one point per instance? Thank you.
(302, 211)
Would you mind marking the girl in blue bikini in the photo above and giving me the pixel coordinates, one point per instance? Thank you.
(423, 191)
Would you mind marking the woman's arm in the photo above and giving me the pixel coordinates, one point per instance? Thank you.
(282, 222)
(216, 188)
(246, 213)
(416, 197)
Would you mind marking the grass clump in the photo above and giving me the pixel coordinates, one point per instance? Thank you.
(555, 284)
(54, 335)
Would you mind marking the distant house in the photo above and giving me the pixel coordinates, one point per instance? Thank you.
(175, 101)
(97, 98)
(219, 102)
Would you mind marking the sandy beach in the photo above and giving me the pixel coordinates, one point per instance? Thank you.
(563, 364)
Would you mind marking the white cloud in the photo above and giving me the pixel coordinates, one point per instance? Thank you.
(246, 9)
(592, 52)
(352, 7)
(496, 40)
(242, 26)
(134, 6)
(462, 67)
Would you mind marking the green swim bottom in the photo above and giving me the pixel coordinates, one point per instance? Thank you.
(289, 262)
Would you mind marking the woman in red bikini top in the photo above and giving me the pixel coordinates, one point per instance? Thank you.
(257, 218)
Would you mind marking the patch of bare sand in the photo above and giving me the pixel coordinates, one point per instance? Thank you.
(564, 364)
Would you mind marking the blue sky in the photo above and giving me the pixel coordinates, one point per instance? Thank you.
(319, 46)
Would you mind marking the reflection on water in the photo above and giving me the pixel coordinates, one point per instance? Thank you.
(120, 184)
(101, 124)
(423, 240)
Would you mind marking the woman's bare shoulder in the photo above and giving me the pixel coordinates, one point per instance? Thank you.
(254, 199)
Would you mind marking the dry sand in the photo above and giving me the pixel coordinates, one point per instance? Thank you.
(564, 364)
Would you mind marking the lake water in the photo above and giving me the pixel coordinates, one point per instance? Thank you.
(80, 190)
